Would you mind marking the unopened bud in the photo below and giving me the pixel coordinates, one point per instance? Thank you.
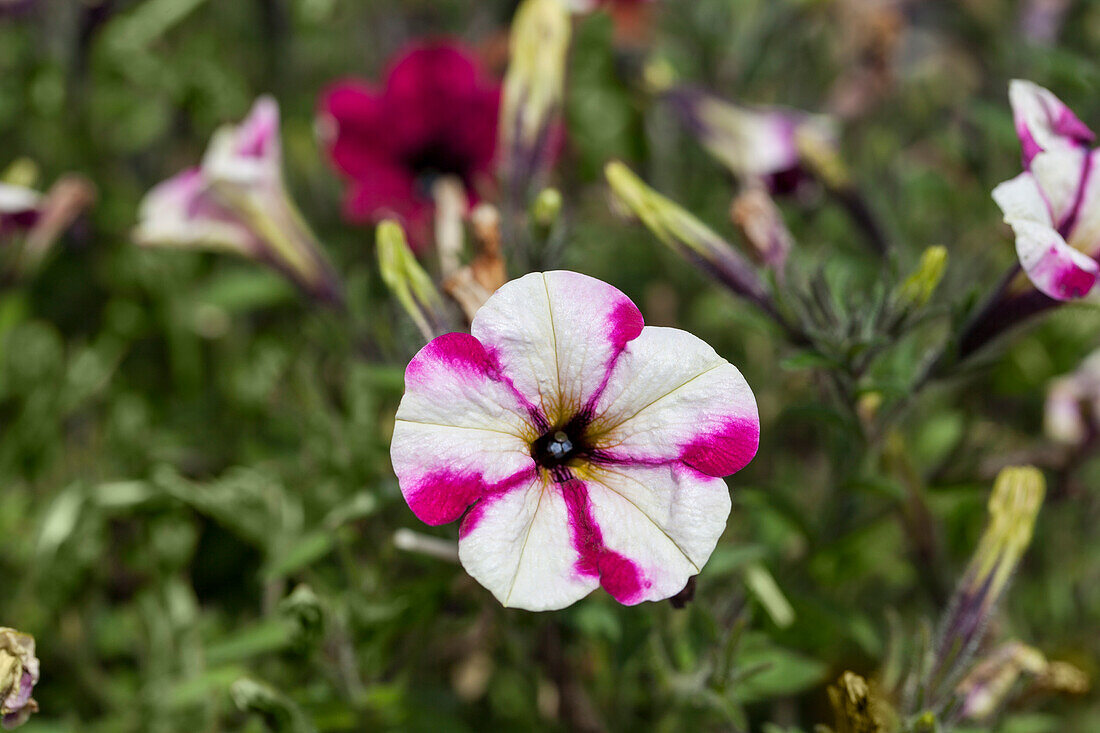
(547, 207)
(756, 215)
(406, 279)
(917, 289)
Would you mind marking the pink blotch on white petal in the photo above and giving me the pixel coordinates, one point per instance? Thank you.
(671, 397)
(1054, 267)
(1043, 122)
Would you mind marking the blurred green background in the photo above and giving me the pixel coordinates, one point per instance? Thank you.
(184, 440)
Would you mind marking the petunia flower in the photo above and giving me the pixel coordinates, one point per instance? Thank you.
(18, 676)
(584, 448)
(1053, 207)
(236, 201)
(435, 115)
(754, 143)
(31, 222)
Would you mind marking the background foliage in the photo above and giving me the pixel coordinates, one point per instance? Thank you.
(184, 441)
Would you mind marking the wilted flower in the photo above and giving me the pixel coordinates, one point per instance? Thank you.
(1013, 507)
(18, 676)
(587, 446)
(1054, 205)
(857, 707)
(1073, 404)
(755, 143)
(236, 201)
(986, 688)
(435, 115)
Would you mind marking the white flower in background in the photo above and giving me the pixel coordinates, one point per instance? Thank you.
(588, 448)
(236, 201)
(1054, 205)
(1073, 404)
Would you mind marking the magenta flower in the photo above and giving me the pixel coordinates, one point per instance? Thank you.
(1054, 205)
(436, 114)
(588, 447)
(236, 201)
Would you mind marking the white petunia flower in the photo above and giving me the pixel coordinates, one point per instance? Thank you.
(588, 447)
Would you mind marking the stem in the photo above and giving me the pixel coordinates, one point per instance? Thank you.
(865, 219)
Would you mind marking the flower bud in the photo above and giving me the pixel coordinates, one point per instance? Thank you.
(18, 676)
(533, 91)
(547, 207)
(756, 215)
(917, 289)
(407, 280)
(687, 236)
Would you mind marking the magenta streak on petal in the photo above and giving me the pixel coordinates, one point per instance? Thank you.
(1069, 221)
(1028, 147)
(624, 325)
(1070, 125)
(725, 450)
(442, 496)
(1064, 279)
(618, 575)
(490, 494)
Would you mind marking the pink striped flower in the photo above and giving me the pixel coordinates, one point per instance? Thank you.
(1054, 205)
(584, 448)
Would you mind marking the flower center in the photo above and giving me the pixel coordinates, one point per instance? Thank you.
(560, 445)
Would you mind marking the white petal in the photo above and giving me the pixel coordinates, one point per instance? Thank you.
(1060, 174)
(1020, 198)
(18, 199)
(461, 433)
(662, 523)
(672, 398)
(1043, 122)
(1083, 228)
(248, 154)
(519, 545)
(556, 335)
(180, 212)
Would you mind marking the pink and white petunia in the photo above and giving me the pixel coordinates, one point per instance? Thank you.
(236, 201)
(584, 448)
(1054, 205)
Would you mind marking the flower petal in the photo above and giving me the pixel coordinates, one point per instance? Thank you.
(656, 527)
(461, 432)
(1060, 175)
(354, 128)
(180, 212)
(1020, 198)
(1082, 225)
(672, 398)
(1055, 268)
(557, 335)
(248, 154)
(1043, 122)
(520, 545)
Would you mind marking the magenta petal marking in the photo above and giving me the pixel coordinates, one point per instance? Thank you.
(725, 450)
(1066, 281)
(619, 576)
(1029, 148)
(442, 496)
(625, 323)
(489, 495)
(1070, 125)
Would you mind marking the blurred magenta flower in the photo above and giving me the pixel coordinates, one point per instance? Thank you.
(588, 447)
(18, 676)
(435, 115)
(236, 201)
(1053, 207)
(756, 143)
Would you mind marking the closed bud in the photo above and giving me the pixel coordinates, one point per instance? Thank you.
(917, 289)
(407, 280)
(760, 222)
(547, 207)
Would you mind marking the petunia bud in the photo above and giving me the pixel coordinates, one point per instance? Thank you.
(547, 207)
(533, 90)
(18, 676)
(1013, 507)
(917, 289)
(686, 235)
(236, 201)
(407, 280)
